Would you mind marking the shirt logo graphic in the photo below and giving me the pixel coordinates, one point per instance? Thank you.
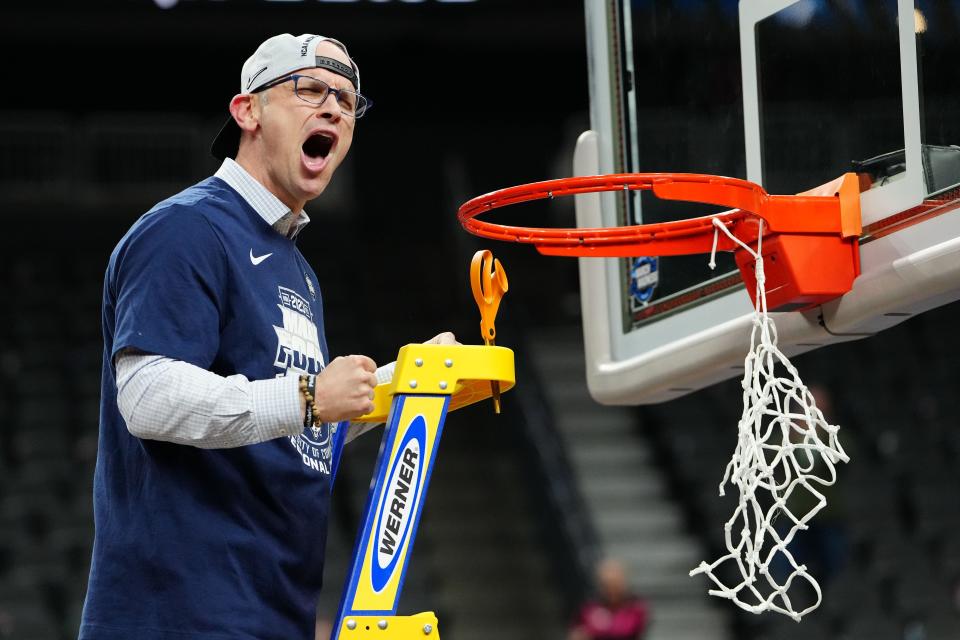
(298, 343)
(298, 350)
(258, 259)
(315, 447)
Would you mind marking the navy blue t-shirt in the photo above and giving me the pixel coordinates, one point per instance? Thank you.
(194, 543)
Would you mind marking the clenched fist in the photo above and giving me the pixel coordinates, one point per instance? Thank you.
(345, 388)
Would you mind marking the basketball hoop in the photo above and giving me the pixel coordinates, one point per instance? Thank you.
(811, 243)
(807, 252)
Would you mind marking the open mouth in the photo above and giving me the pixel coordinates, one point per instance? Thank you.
(318, 146)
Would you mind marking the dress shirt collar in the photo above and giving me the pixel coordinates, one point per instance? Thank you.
(268, 206)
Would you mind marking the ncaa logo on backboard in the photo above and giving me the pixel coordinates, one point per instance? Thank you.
(399, 503)
(644, 278)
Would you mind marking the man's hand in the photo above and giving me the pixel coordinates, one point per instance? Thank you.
(345, 388)
(444, 338)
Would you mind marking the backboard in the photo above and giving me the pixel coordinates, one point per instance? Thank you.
(788, 94)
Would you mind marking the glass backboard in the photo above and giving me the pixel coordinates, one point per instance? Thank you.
(789, 94)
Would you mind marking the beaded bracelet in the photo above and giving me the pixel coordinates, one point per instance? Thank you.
(308, 389)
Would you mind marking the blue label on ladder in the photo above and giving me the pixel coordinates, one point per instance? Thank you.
(394, 505)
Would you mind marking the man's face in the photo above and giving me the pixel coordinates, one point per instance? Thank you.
(612, 580)
(302, 144)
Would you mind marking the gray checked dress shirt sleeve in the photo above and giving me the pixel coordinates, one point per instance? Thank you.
(174, 401)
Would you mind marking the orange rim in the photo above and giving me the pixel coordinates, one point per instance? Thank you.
(747, 202)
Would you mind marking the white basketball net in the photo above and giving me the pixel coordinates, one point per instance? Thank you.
(784, 446)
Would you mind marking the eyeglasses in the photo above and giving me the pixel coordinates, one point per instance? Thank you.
(315, 91)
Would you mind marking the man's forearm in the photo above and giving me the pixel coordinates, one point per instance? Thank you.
(174, 401)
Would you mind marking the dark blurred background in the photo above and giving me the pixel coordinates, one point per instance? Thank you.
(110, 106)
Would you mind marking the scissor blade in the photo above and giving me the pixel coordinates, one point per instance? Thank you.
(495, 390)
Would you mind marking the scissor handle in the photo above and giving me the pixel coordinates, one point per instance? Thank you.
(489, 282)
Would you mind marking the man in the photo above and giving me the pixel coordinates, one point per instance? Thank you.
(616, 614)
(214, 467)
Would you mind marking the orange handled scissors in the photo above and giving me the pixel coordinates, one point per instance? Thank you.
(489, 282)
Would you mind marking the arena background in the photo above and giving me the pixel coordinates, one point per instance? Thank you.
(110, 106)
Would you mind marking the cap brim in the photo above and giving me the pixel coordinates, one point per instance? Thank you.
(227, 142)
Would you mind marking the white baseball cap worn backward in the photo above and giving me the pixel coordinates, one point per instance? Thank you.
(276, 58)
